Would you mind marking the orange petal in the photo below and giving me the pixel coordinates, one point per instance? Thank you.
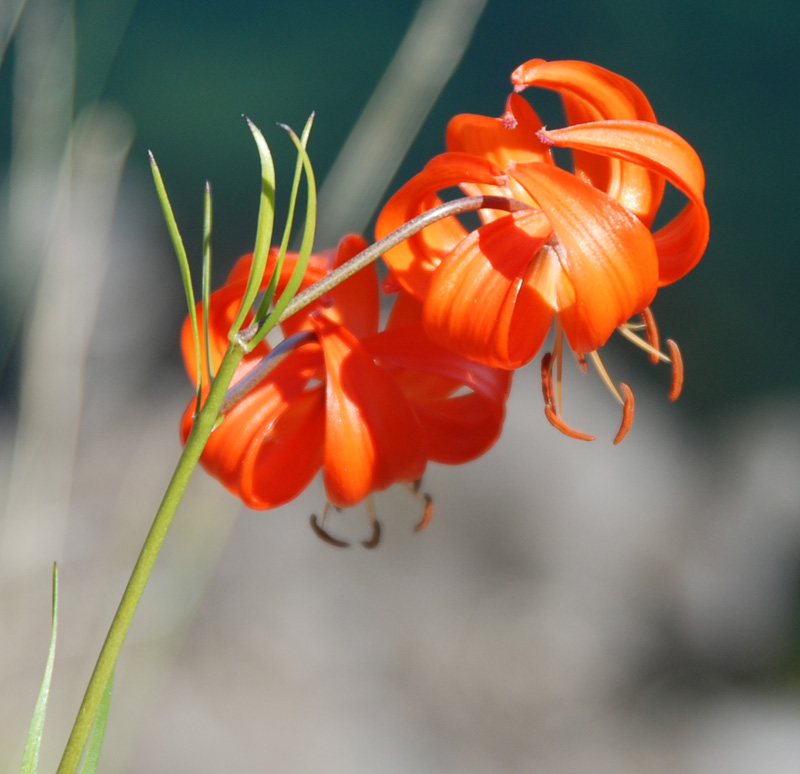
(269, 445)
(224, 306)
(592, 93)
(512, 137)
(600, 91)
(479, 303)
(354, 303)
(681, 242)
(414, 260)
(372, 437)
(606, 252)
(458, 427)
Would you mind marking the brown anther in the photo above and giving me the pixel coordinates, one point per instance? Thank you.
(427, 514)
(677, 370)
(628, 409)
(376, 536)
(651, 330)
(581, 358)
(415, 485)
(326, 537)
(557, 422)
(548, 390)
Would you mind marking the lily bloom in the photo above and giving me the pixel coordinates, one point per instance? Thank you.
(369, 407)
(584, 258)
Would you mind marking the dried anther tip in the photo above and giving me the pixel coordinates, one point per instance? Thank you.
(427, 514)
(376, 536)
(677, 370)
(548, 393)
(326, 537)
(628, 409)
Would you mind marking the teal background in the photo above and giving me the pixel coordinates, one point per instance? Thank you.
(725, 75)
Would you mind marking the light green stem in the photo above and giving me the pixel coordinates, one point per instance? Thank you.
(104, 667)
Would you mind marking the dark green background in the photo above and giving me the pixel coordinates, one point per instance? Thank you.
(723, 74)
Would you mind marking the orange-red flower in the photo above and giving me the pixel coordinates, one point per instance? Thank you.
(370, 408)
(584, 255)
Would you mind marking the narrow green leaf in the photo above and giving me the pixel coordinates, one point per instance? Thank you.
(307, 243)
(266, 220)
(98, 732)
(30, 758)
(206, 289)
(180, 252)
(266, 302)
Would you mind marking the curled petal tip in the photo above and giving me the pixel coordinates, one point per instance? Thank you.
(544, 137)
(509, 120)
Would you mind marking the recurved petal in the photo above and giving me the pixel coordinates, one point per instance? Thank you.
(479, 303)
(269, 445)
(605, 93)
(372, 437)
(605, 251)
(636, 186)
(458, 427)
(355, 303)
(285, 456)
(414, 261)
(681, 243)
(592, 93)
(511, 137)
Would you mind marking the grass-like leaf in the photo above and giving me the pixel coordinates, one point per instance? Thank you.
(266, 302)
(307, 243)
(183, 261)
(30, 758)
(266, 220)
(206, 281)
(98, 732)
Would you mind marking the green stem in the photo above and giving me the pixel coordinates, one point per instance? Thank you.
(104, 667)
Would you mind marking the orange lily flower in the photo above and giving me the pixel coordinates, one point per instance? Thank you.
(584, 256)
(370, 408)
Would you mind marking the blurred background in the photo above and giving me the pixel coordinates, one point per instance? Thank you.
(572, 607)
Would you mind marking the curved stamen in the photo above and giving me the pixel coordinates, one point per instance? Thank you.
(376, 526)
(326, 537)
(321, 533)
(427, 513)
(601, 369)
(677, 370)
(651, 329)
(548, 391)
(655, 354)
(628, 409)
